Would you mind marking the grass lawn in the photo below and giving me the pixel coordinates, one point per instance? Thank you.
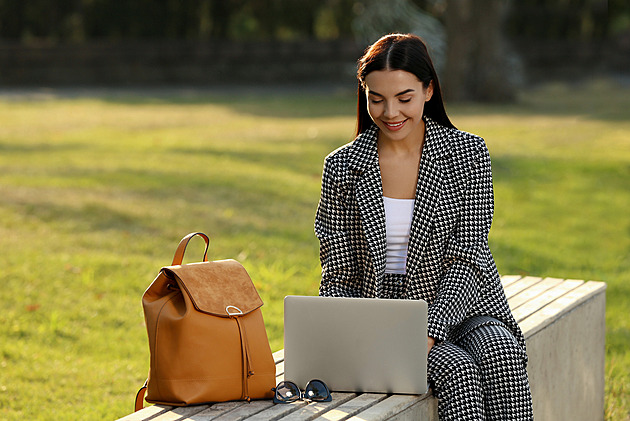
(97, 190)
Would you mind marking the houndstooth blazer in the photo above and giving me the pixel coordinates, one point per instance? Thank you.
(449, 263)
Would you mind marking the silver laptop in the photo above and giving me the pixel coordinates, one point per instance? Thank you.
(356, 344)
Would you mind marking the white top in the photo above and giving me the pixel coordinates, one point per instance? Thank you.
(398, 214)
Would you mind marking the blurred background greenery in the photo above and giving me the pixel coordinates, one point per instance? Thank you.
(126, 125)
(484, 50)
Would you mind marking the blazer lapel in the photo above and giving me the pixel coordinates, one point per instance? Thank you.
(428, 191)
(370, 201)
(369, 193)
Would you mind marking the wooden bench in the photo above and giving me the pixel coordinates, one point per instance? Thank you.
(564, 326)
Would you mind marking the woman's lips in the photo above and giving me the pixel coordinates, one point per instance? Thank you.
(394, 126)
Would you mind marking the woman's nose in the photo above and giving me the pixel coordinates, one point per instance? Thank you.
(391, 110)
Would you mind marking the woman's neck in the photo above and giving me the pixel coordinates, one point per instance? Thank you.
(411, 145)
(399, 162)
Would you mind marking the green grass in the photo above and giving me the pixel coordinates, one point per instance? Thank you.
(97, 190)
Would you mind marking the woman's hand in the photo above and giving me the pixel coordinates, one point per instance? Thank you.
(431, 343)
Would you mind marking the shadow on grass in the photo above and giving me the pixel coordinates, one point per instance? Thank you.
(263, 101)
(14, 148)
(530, 172)
(605, 99)
(308, 161)
(197, 200)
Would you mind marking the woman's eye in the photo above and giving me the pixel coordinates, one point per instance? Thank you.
(406, 100)
(376, 101)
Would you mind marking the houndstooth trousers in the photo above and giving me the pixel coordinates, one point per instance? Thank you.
(479, 373)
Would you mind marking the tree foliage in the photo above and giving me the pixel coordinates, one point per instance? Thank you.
(85, 20)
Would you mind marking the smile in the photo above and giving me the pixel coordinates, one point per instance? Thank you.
(395, 126)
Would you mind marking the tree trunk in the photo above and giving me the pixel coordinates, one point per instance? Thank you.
(477, 65)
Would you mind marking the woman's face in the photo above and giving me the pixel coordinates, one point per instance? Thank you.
(396, 101)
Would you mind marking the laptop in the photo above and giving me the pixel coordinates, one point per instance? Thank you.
(356, 344)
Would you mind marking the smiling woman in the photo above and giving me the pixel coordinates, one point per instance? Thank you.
(390, 54)
(404, 213)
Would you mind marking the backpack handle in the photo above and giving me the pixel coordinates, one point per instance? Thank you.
(140, 397)
(181, 248)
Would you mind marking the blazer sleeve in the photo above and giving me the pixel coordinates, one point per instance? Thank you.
(467, 253)
(337, 257)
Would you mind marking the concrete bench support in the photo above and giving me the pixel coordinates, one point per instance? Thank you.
(566, 348)
(564, 326)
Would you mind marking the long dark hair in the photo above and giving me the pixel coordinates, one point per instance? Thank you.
(400, 52)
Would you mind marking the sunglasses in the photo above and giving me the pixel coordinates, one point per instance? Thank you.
(315, 391)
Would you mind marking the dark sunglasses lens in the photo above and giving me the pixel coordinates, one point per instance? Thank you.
(287, 392)
(316, 390)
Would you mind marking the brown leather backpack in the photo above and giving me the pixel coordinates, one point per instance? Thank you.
(207, 337)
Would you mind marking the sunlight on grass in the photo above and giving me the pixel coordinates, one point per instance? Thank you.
(95, 193)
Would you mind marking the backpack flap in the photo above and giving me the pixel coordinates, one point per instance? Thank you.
(221, 288)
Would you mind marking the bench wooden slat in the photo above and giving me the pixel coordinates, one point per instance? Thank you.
(314, 409)
(147, 413)
(300, 409)
(386, 408)
(241, 412)
(278, 356)
(353, 407)
(509, 279)
(563, 304)
(180, 413)
(211, 412)
(518, 286)
(532, 292)
(552, 294)
(277, 412)
(279, 371)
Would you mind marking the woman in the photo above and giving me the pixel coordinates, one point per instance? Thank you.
(404, 212)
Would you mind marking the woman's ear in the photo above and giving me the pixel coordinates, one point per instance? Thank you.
(429, 92)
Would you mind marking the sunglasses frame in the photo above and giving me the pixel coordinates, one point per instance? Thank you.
(301, 396)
